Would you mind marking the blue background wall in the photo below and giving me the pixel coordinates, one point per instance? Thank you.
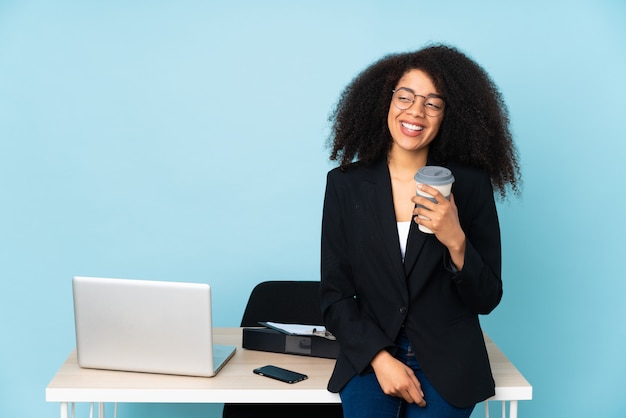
(186, 141)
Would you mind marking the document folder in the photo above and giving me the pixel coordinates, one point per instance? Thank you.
(267, 339)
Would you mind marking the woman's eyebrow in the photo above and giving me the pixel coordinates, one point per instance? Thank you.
(437, 95)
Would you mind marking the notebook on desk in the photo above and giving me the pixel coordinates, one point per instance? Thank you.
(146, 326)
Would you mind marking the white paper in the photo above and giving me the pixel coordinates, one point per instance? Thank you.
(298, 329)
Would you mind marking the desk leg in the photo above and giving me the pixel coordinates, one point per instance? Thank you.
(64, 413)
(513, 409)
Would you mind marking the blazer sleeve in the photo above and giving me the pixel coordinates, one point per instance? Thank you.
(479, 283)
(360, 338)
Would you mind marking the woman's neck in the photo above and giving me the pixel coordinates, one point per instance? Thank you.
(403, 165)
(402, 168)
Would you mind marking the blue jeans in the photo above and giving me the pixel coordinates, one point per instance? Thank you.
(362, 397)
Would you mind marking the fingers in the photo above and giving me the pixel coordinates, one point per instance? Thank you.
(409, 388)
(420, 399)
(430, 216)
(418, 396)
(436, 216)
(440, 203)
(431, 191)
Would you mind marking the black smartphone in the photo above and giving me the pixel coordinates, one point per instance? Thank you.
(281, 374)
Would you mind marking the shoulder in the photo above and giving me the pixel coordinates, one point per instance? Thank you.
(357, 171)
(473, 193)
(350, 170)
(466, 171)
(468, 177)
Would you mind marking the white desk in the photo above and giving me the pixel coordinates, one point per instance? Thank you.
(236, 383)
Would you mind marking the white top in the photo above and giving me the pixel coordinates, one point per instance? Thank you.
(403, 234)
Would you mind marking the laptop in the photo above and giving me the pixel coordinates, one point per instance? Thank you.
(146, 326)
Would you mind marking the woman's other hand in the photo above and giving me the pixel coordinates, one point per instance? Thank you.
(397, 379)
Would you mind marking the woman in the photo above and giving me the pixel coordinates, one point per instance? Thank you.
(404, 304)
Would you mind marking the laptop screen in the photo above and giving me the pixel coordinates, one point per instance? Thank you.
(144, 326)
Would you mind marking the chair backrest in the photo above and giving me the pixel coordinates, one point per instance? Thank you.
(289, 302)
(295, 302)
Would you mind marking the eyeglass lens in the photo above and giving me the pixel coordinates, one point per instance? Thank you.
(403, 99)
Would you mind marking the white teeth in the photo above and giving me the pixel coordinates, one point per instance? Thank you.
(412, 127)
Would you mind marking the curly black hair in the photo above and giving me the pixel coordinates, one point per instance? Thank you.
(474, 131)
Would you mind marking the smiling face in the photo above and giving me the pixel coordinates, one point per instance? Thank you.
(412, 129)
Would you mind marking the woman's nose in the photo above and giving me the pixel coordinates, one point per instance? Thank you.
(416, 108)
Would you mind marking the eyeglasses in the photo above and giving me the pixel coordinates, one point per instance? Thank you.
(404, 98)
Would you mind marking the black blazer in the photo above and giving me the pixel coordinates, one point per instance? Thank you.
(368, 293)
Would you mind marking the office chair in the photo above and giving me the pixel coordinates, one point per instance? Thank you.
(295, 302)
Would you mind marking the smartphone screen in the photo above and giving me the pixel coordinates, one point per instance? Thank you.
(281, 374)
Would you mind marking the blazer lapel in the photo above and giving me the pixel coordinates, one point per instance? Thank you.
(381, 200)
(416, 241)
(414, 246)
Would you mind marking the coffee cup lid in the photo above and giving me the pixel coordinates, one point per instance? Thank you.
(434, 175)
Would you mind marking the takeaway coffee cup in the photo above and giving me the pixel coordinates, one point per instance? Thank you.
(438, 177)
